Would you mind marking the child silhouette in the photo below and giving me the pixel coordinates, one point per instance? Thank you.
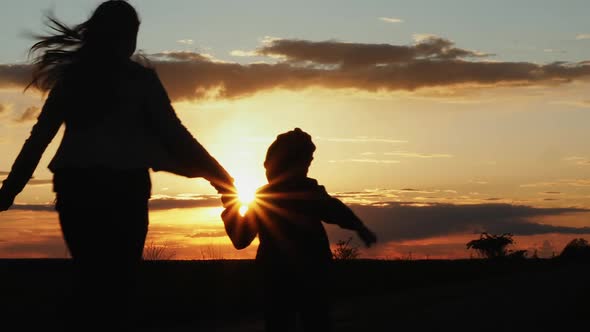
(294, 253)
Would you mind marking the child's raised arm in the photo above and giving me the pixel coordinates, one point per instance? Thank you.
(334, 211)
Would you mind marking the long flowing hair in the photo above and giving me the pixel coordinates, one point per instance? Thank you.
(110, 32)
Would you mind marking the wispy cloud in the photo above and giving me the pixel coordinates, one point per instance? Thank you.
(552, 50)
(574, 103)
(418, 155)
(391, 19)
(561, 182)
(582, 161)
(29, 114)
(185, 41)
(583, 36)
(360, 139)
(366, 161)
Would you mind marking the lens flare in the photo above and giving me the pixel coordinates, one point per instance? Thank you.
(246, 193)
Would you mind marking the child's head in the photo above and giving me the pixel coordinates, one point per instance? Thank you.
(289, 156)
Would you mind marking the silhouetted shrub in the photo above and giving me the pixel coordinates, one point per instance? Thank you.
(576, 249)
(155, 252)
(490, 245)
(344, 250)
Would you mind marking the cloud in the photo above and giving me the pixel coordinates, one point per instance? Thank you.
(32, 181)
(46, 246)
(561, 182)
(29, 114)
(180, 56)
(208, 234)
(552, 192)
(391, 19)
(366, 161)
(15, 76)
(33, 207)
(354, 55)
(582, 161)
(574, 103)
(360, 139)
(431, 62)
(552, 50)
(418, 155)
(185, 41)
(39, 182)
(241, 53)
(583, 36)
(397, 221)
(160, 202)
(420, 37)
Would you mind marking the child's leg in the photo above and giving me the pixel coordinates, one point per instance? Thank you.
(314, 300)
(316, 315)
(279, 309)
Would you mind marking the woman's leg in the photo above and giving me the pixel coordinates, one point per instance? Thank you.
(105, 231)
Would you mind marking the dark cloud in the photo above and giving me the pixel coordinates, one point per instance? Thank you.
(33, 207)
(168, 203)
(15, 76)
(432, 62)
(350, 55)
(399, 221)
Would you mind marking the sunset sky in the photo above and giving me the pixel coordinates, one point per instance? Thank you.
(433, 120)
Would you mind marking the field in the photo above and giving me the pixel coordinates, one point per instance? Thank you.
(457, 295)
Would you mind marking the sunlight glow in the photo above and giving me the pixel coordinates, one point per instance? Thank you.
(243, 210)
(246, 192)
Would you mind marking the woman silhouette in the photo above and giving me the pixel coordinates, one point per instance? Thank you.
(119, 123)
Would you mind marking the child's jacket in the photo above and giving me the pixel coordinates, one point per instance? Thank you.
(287, 217)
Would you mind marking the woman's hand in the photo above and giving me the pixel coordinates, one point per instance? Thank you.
(6, 200)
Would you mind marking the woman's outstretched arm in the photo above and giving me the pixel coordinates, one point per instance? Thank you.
(190, 157)
(42, 134)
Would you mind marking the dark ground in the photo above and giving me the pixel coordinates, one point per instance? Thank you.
(458, 295)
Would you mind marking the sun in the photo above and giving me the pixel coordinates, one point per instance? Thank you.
(246, 192)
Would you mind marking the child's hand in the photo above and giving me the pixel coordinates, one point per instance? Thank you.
(368, 237)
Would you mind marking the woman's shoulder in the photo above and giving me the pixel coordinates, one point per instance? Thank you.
(141, 68)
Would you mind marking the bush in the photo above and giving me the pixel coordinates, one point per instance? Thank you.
(345, 251)
(576, 249)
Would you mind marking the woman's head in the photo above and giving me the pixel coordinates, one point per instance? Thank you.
(110, 34)
(289, 156)
(112, 29)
